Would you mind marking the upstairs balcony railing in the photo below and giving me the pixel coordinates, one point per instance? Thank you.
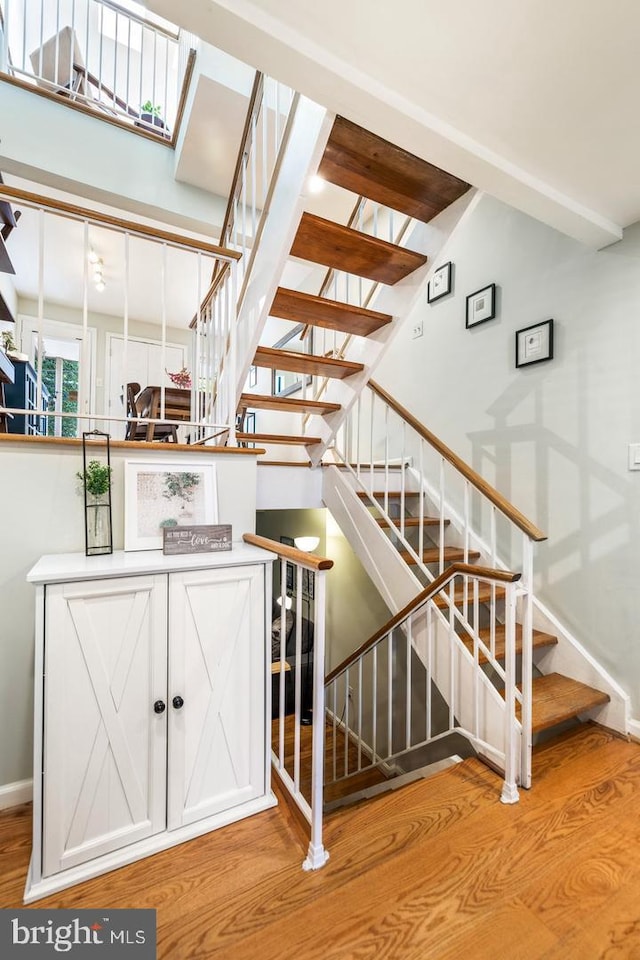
(116, 58)
(129, 291)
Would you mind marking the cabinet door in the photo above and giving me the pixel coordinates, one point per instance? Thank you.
(104, 745)
(217, 667)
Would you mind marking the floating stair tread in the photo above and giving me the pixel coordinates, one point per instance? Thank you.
(287, 404)
(539, 639)
(432, 555)
(277, 438)
(413, 522)
(306, 363)
(393, 494)
(363, 163)
(556, 698)
(484, 595)
(331, 314)
(342, 248)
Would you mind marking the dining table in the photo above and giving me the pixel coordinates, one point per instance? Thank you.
(177, 405)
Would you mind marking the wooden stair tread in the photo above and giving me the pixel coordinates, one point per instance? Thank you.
(413, 522)
(484, 595)
(305, 363)
(361, 162)
(539, 639)
(342, 248)
(287, 404)
(393, 494)
(331, 314)
(556, 698)
(336, 789)
(277, 438)
(432, 555)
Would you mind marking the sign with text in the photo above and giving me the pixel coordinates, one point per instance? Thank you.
(78, 933)
(203, 538)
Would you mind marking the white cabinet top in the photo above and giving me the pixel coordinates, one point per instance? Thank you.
(63, 567)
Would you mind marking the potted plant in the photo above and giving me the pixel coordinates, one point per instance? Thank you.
(150, 114)
(96, 480)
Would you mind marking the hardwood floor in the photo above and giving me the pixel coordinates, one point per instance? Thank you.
(440, 869)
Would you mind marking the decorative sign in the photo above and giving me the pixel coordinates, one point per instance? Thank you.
(202, 538)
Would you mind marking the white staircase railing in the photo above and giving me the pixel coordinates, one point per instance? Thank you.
(371, 696)
(120, 60)
(298, 699)
(429, 500)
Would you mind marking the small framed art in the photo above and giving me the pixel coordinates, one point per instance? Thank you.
(481, 306)
(440, 283)
(534, 344)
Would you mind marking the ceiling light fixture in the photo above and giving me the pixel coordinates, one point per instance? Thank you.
(92, 256)
(316, 184)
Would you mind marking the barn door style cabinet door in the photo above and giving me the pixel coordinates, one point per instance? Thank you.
(153, 706)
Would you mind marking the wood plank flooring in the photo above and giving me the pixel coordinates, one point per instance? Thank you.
(439, 869)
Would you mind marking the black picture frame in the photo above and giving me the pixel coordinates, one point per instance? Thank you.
(534, 344)
(289, 542)
(481, 306)
(441, 283)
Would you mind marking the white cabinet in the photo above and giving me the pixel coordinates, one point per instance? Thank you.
(153, 706)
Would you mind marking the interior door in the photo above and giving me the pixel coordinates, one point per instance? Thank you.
(217, 670)
(105, 744)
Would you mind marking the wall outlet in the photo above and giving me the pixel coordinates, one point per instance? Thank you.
(417, 330)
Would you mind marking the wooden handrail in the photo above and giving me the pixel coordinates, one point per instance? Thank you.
(215, 284)
(254, 101)
(481, 573)
(517, 518)
(75, 212)
(308, 560)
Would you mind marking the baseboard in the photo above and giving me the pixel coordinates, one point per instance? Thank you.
(634, 729)
(13, 794)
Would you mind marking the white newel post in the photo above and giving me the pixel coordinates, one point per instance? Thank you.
(317, 856)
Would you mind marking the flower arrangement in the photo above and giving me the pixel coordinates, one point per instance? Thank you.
(181, 379)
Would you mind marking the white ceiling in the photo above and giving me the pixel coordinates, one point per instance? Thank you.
(534, 100)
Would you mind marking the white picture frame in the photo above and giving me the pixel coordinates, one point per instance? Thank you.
(164, 493)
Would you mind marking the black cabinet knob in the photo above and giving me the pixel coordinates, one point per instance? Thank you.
(159, 706)
(178, 702)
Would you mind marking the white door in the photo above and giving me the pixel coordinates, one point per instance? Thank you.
(105, 744)
(217, 669)
(144, 366)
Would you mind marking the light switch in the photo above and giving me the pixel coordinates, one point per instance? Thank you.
(634, 456)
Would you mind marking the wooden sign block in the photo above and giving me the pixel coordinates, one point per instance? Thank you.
(202, 538)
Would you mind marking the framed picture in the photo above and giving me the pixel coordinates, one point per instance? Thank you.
(307, 584)
(481, 306)
(159, 495)
(440, 284)
(534, 344)
(253, 376)
(289, 579)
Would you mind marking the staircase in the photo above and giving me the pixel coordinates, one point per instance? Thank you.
(452, 557)
(382, 174)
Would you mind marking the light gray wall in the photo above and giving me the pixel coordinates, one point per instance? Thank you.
(354, 610)
(552, 437)
(43, 513)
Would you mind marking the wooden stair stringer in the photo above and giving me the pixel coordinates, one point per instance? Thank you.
(398, 585)
(398, 300)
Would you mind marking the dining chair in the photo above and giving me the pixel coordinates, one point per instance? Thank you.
(164, 432)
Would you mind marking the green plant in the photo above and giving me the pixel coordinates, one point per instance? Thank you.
(7, 340)
(96, 478)
(154, 109)
(169, 522)
(181, 485)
